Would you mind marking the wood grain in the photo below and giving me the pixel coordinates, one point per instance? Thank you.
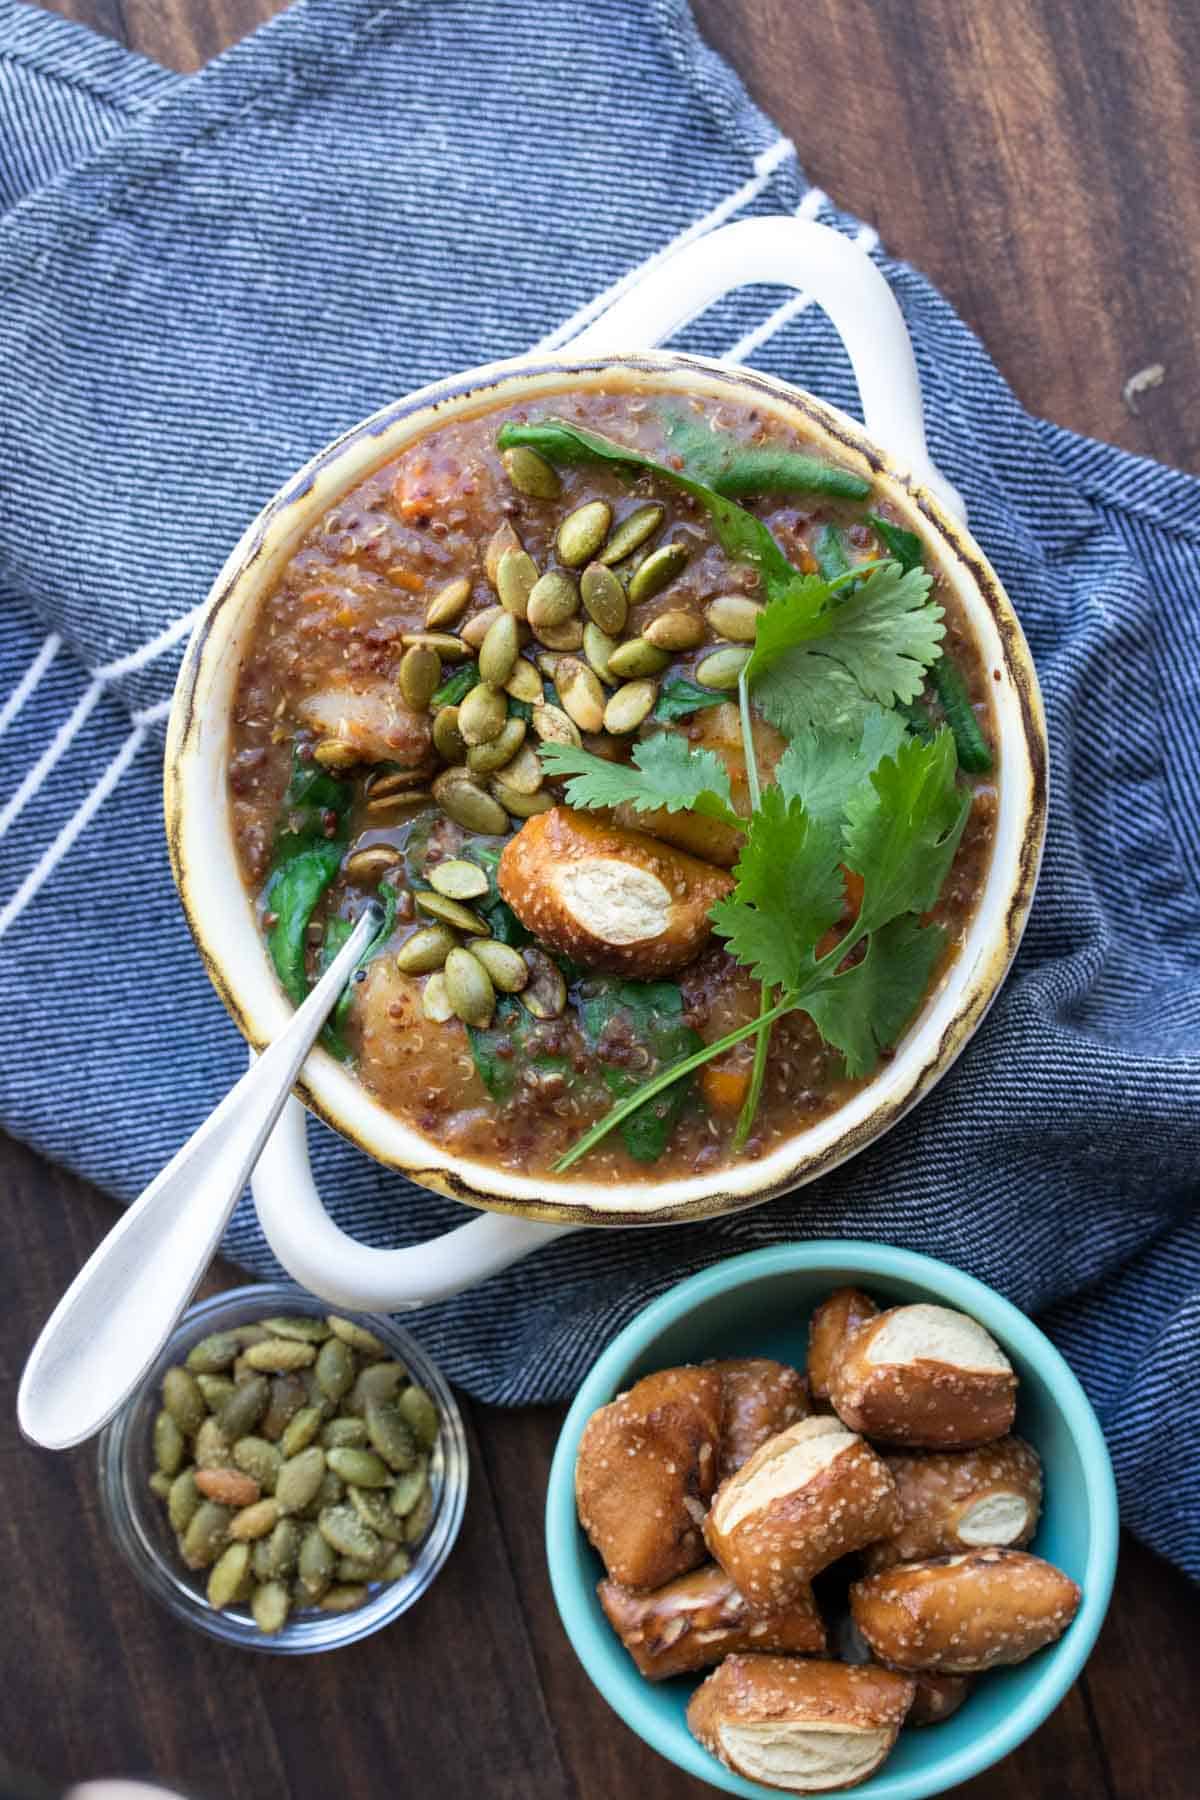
(1038, 160)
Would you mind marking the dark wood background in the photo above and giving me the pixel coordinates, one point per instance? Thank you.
(1038, 160)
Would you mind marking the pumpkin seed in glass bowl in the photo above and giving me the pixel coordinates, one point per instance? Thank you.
(279, 1601)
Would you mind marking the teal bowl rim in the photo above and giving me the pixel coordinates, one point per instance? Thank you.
(593, 1642)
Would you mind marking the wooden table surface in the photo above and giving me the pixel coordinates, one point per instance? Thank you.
(1038, 160)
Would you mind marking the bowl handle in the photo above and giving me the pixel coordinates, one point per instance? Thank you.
(321, 1257)
(833, 271)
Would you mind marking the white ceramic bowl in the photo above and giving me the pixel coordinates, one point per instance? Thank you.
(893, 455)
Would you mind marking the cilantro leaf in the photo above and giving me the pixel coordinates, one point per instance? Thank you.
(789, 891)
(822, 768)
(737, 469)
(863, 1010)
(665, 772)
(815, 661)
(903, 827)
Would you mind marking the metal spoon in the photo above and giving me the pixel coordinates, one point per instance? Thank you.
(113, 1320)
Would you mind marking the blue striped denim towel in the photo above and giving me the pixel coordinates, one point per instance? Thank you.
(205, 279)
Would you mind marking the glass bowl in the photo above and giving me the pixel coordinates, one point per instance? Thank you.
(138, 1519)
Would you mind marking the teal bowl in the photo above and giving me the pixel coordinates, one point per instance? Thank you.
(758, 1305)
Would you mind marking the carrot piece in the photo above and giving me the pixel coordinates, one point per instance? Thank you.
(407, 579)
(724, 1088)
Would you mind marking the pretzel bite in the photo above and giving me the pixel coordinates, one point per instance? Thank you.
(809, 1495)
(925, 1376)
(832, 1325)
(695, 1621)
(938, 1697)
(806, 1727)
(609, 898)
(646, 1470)
(962, 1614)
(758, 1398)
(962, 1500)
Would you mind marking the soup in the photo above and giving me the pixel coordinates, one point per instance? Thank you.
(669, 754)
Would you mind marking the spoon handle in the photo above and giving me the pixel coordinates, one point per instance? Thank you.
(121, 1308)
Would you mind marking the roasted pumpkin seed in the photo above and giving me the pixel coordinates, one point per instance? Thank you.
(448, 604)
(283, 1548)
(255, 1520)
(269, 1606)
(345, 1532)
(280, 1356)
(598, 647)
(502, 539)
(369, 864)
(525, 683)
(521, 806)
(435, 1001)
(246, 1405)
(418, 1407)
(482, 715)
(581, 694)
(531, 474)
(229, 1575)
(299, 1432)
(675, 631)
(479, 624)
(548, 661)
(420, 676)
(457, 878)
(552, 726)
(349, 1569)
(722, 668)
(733, 616)
(567, 636)
(345, 1433)
(206, 1535)
(184, 1400)
(183, 1500)
(485, 759)
(657, 572)
(464, 801)
(448, 740)
(392, 805)
(373, 1506)
(450, 912)
(299, 1478)
(553, 600)
(228, 1487)
(335, 753)
(499, 649)
(582, 532)
(168, 1444)
(397, 1565)
(523, 773)
(636, 659)
(604, 598)
(331, 1492)
(254, 1456)
(212, 1449)
(632, 533)
(359, 1468)
(378, 1381)
(390, 1433)
(408, 1488)
(160, 1483)
(629, 706)
(382, 787)
(502, 962)
(419, 1519)
(213, 1354)
(316, 1563)
(288, 1394)
(448, 646)
(357, 1336)
(344, 1598)
(216, 1390)
(305, 1328)
(469, 989)
(546, 994)
(335, 1362)
(515, 580)
(426, 949)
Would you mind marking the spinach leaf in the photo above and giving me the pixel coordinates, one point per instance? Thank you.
(679, 697)
(830, 552)
(652, 1012)
(514, 1031)
(736, 470)
(499, 916)
(905, 546)
(458, 686)
(292, 894)
(337, 930)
